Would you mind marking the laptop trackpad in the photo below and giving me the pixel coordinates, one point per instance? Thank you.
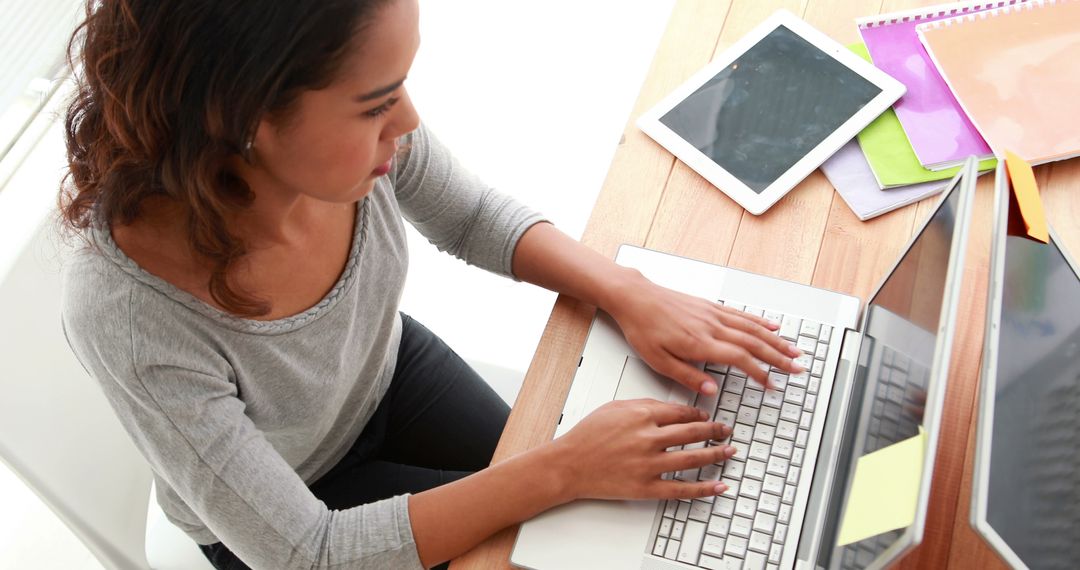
(640, 381)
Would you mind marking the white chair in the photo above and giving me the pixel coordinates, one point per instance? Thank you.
(57, 431)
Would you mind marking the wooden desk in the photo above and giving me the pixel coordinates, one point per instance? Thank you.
(809, 236)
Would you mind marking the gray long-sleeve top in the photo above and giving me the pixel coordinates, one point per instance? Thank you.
(236, 417)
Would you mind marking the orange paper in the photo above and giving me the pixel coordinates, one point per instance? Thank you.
(1016, 72)
(1026, 192)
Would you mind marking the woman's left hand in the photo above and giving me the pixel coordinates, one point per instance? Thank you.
(670, 330)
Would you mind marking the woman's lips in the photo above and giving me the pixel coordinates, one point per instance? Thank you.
(383, 169)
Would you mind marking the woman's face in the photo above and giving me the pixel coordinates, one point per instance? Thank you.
(337, 141)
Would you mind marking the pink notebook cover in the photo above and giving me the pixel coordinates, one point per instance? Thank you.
(940, 132)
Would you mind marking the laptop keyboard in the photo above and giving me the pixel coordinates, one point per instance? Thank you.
(747, 526)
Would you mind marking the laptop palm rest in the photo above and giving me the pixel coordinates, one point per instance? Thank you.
(596, 534)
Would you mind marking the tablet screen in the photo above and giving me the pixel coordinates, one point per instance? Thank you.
(770, 108)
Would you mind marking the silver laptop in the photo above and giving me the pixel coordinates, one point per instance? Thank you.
(1026, 488)
(865, 387)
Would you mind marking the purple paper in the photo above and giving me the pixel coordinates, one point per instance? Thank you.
(939, 130)
(849, 172)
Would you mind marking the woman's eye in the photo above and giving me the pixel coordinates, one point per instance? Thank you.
(381, 109)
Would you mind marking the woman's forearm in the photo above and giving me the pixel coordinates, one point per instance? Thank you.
(547, 257)
(448, 521)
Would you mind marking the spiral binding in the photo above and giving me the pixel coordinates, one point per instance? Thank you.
(1011, 7)
(942, 11)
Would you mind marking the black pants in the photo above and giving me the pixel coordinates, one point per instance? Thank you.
(438, 422)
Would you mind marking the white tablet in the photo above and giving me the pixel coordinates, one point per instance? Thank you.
(769, 110)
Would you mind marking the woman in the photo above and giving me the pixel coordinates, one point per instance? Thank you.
(240, 171)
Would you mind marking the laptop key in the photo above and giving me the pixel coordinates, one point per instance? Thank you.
(690, 547)
(806, 344)
(815, 373)
(801, 438)
(734, 469)
(825, 334)
(750, 488)
(713, 546)
(747, 415)
(790, 412)
(793, 476)
(724, 507)
(709, 473)
(794, 395)
(672, 550)
(665, 527)
(677, 529)
(759, 451)
(719, 526)
(797, 456)
(777, 466)
(782, 448)
(759, 542)
(784, 516)
(670, 507)
(769, 504)
(683, 511)
(735, 385)
(804, 420)
(800, 380)
(742, 432)
(658, 548)
(732, 487)
(699, 511)
(740, 527)
(754, 561)
(764, 522)
(810, 328)
(746, 507)
(752, 398)
(789, 494)
(735, 546)
(764, 433)
(786, 430)
(768, 416)
(729, 401)
(755, 469)
(781, 533)
(789, 327)
(774, 484)
(821, 352)
(778, 380)
(711, 563)
(726, 417)
(774, 398)
(774, 553)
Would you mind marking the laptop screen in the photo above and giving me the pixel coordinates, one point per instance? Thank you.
(1033, 495)
(903, 321)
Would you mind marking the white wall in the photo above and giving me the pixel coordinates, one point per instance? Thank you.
(533, 96)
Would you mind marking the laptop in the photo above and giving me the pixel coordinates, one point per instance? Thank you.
(874, 377)
(1026, 487)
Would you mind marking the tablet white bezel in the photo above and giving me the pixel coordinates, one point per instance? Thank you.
(753, 202)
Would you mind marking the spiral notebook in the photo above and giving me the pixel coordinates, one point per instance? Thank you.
(937, 127)
(1016, 72)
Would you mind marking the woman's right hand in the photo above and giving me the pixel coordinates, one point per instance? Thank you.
(620, 451)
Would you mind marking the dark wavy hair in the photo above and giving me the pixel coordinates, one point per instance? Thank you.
(169, 90)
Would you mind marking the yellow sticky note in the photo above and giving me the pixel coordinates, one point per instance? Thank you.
(885, 490)
(1027, 197)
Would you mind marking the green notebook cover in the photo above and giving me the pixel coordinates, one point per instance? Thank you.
(890, 154)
